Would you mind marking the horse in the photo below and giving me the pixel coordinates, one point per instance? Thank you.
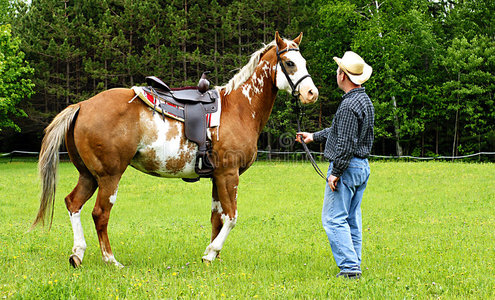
(108, 132)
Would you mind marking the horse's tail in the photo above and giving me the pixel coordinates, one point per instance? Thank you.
(48, 160)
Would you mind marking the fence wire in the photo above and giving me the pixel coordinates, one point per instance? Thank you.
(382, 156)
(303, 154)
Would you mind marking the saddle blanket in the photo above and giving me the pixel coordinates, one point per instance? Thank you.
(154, 101)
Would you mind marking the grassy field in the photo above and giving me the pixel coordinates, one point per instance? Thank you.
(428, 233)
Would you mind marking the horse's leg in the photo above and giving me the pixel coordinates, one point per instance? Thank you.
(216, 213)
(223, 212)
(107, 195)
(74, 202)
(85, 188)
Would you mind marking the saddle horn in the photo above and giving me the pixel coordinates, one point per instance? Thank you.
(203, 84)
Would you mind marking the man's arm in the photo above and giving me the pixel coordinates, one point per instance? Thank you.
(321, 135)
(318, 136)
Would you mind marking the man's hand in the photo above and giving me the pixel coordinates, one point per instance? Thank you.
(306, 136)
(332, 182)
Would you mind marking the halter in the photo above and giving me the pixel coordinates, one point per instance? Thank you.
(295, 95)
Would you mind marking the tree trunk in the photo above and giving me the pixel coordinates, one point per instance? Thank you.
(456, 138)
(106, 74)
(455, 133)
(215, 57)
(436, 138)
(239, 36)
(320, 123)
(269, 147)
(129, 71)
(422, 144)
(67, 65)
(264, 24)
(184, 46)
(172, 63)
(57, 84)
(198, 72)
(184, 62)
(46, 99)
(288, 13)
(398, 147)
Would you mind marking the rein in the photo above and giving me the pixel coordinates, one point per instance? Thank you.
(295, 96)
(306, 149)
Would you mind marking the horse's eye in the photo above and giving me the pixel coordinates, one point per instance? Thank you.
(290, 63)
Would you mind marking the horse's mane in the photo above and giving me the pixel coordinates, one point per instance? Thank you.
(249, 68)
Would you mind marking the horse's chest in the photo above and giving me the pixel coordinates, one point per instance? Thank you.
(163, 150)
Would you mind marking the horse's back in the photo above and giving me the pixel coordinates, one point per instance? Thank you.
(110, 101)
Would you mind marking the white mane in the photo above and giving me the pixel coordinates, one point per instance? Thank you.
(249, 68)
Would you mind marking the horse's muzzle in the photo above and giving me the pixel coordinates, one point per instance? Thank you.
(308, 94)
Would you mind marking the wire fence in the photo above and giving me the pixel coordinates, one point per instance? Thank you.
(284, 156)
(28, 156)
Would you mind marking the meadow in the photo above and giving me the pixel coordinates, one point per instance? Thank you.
(428, 233)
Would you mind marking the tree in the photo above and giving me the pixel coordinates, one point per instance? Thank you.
(469, 88)
(4, 7)
(397, 39)
(15, 86)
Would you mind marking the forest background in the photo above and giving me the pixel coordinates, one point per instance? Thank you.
(433, 62)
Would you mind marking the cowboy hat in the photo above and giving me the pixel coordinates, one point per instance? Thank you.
(355, 67)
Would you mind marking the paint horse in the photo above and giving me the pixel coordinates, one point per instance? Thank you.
(108, 132)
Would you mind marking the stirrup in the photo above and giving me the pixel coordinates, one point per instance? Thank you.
(203, 167)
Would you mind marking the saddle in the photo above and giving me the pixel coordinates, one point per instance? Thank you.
(188, 105)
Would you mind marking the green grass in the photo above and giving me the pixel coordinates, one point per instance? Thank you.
(428, 233)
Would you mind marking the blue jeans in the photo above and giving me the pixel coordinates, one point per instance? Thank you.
(341, 215)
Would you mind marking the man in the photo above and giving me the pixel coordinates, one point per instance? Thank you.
(347, 145)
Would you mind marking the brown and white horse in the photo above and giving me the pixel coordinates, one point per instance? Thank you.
(108, 132)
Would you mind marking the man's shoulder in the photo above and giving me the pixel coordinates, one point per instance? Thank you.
(355, 100)
(355, 103)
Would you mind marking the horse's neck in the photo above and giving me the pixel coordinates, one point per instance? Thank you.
(254, 99)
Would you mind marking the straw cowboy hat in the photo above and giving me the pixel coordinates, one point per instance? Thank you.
(355, 67)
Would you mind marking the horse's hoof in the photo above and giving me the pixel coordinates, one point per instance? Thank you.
(74, 261)
(206, 262)
(113, 261)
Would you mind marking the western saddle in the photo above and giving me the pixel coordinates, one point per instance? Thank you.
(191, 104)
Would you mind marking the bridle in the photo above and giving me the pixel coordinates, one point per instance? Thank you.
(295, 96)
(295, 92)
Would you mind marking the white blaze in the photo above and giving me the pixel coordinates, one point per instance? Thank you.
(300, 63)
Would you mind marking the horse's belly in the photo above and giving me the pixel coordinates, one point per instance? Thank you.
(164, 151)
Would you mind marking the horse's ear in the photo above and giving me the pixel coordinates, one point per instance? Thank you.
(280, 42)
(298, 39)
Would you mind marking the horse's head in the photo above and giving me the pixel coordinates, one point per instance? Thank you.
(292, 75)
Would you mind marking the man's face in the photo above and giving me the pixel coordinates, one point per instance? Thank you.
(340, 78)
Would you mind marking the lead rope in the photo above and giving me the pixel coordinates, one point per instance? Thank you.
(305, 147)
(295, 95)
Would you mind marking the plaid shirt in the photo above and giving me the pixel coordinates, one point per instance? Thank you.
(351, 133)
